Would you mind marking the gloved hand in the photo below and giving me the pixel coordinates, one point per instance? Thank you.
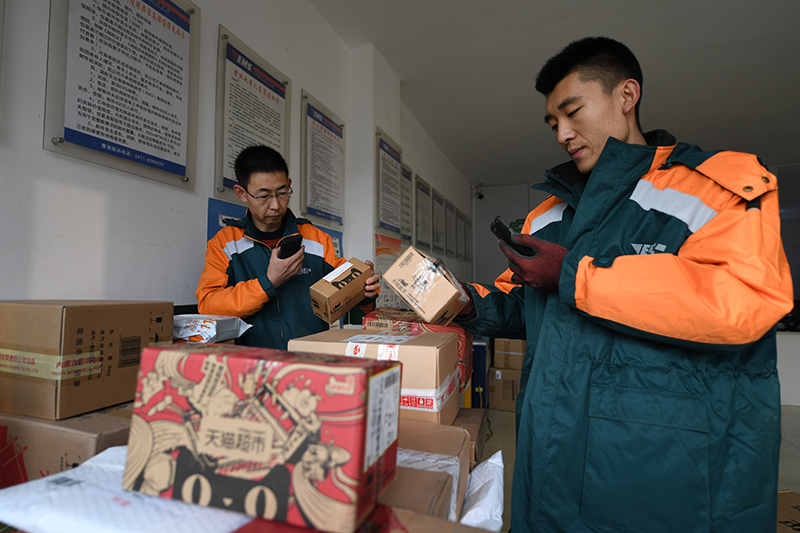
(540, 270)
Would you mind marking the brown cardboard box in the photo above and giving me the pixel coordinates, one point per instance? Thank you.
(405, 320)
(62, 358)
(427, 286)
(309, 440)
(509, 353)
(430, 365)
(32, 448)
(340, 291)
(788, 511)
(474, 421)
(383, 518)
(420, 491)
(503, 388)
(438, 440)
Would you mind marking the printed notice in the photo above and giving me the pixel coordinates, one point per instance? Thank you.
(423, 215)
(255, 109)
(406, 204)
(450, 227)
(325, 166)
(127, 80)
(438, 222)
(389, 188)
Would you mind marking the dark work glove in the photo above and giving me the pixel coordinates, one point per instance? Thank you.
(542, 269)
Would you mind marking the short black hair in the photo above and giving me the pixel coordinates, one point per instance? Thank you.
(258, 158)
(601, 59)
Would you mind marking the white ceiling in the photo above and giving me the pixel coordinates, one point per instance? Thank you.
(723, 74)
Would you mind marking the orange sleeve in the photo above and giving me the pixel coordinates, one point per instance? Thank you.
(729, 283)
(214, 297)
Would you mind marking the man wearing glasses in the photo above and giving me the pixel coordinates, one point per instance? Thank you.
(244, 275)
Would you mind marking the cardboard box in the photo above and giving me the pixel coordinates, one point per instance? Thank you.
(62, 358)
(474, 421)
(430, 365)
(788, 511)
(32, 448)
(503, 388)
(509, 353)
(306, 439)
(340, 291)
(421, 491)
(383, 519)
(443, 445)
(404, 320)
(427, 286)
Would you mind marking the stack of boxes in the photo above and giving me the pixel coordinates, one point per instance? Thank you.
(504, 376)
(67, 369)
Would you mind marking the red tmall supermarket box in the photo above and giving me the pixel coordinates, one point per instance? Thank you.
(305, 439)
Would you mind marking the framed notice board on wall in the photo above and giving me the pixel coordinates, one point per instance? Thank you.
(122, 85)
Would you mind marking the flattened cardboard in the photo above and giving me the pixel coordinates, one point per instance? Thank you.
(439, 439)
(32, 448)
(340, 291)
(427, 286)
(420, 491)
(788, 511)
(430, 365)
(305, 439)
(503, 388)
(474, 421)
(63, 358)
(403, 320)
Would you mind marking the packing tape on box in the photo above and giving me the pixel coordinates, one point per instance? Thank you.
(433, 462)
(51, 367)
(430, 400)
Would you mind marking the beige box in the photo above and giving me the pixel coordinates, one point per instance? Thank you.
(788, 511)
(32, 448)
(421, 491)
(503, 388)
(509, 353)
(438, 440)
(430, 365)
(62, 358)
(474, 421)
(340, 291)
(427, 286)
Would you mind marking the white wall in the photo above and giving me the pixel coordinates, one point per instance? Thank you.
(72, 229)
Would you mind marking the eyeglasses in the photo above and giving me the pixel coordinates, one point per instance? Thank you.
(281, 196)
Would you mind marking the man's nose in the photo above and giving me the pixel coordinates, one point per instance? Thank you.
(564, 134)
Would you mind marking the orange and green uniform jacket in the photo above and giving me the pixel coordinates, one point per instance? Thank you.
(649, 398)
(234, 282)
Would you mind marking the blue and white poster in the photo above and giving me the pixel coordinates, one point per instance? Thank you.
(218, 211)
(389, 161)
(127, 82)
(324, 166)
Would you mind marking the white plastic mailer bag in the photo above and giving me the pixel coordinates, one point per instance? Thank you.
(483, 504)
(208, 328)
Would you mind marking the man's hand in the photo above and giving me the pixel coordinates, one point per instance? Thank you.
(282, 270)
(373, 283)
(540, 271)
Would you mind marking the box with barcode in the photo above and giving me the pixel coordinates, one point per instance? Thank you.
(306, 439)
(63, 358)
(430, 365)
(340, 291)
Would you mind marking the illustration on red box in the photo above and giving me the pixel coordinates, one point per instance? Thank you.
(305, 439)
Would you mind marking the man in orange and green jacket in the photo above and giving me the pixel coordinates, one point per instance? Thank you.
(244, 275)
(649, 398)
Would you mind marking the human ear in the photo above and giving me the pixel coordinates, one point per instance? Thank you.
(240, 192)
(630, 93)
